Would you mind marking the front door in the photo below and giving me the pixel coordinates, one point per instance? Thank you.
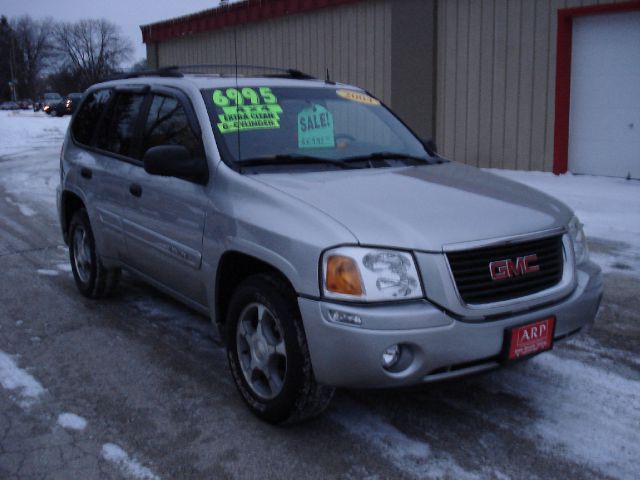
(163, 217)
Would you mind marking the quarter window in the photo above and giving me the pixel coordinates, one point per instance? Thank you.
(89, 114)
(167, 124)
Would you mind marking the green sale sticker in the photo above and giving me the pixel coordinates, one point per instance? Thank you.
(315, 128)
(249, 117)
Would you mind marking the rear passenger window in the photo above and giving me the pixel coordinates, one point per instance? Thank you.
(167, 124)
(116, 134)
(87, 118)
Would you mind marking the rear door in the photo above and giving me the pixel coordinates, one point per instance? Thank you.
(163, 217)
(97, 175)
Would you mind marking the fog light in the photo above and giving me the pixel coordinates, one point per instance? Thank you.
(345, 317)
(391, 356)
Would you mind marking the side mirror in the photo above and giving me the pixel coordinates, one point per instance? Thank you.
(175, 161)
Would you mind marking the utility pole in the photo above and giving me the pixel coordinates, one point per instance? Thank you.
(12, 82)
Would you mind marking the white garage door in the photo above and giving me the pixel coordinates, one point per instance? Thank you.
(604, 132)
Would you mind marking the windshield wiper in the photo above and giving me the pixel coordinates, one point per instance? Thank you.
(287, 159)
(388, 156)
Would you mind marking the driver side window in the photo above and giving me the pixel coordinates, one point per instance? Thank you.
(167, 124)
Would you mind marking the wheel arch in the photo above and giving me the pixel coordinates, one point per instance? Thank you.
(234, 267)
(70, 202)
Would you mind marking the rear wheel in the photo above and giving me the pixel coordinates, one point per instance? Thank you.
(92, 278)
(268, 353)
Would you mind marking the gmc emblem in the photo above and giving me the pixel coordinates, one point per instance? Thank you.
(502, 269)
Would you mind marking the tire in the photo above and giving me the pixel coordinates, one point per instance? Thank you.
(92, 278)
(53, 112)
(292, 394)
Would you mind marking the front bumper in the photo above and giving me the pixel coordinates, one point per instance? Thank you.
(441, 346)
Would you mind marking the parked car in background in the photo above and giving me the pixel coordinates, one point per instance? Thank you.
(25, 104)
(71, 102)
(329, 244)
(9, 106)
(47, 102)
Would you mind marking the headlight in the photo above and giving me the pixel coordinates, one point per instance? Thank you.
(579, 241)
(369, 275)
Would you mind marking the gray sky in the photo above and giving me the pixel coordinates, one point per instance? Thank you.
(128, 14)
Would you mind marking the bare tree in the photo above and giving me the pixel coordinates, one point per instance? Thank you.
(91, 49)
(33, 51)
(6, 66)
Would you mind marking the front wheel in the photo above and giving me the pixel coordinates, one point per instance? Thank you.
(268, 353)
(92, 278)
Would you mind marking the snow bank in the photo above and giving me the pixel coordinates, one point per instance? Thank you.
(16, 379)
(129, 466)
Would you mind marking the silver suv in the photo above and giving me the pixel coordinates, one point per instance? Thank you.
(329, 244)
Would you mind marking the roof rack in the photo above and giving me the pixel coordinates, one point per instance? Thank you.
(161, 72)
(277, 72)
(214, 68)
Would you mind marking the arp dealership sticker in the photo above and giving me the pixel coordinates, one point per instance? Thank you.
(358, 97)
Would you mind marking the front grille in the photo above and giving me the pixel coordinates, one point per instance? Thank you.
(473, 278)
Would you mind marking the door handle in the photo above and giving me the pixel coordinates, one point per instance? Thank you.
(135, 190)
(86, 173)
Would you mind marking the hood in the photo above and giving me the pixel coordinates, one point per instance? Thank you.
(423, 207)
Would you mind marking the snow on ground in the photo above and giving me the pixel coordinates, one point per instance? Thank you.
(22, 131)
(608, 207)
(71, 421)
(587, 411)
(409, 455)
(64, 267)
(14, 378)
(24, 209)
(129, 466)
(29, 178)
(47, 273)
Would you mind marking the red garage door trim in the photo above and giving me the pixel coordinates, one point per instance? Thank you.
(230, 15)
(563, 74)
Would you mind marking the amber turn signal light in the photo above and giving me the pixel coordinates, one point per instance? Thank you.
(342, 276)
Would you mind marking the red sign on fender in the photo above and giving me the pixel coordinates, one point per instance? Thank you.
(532, 338)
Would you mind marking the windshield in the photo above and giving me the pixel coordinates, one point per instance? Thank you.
(254, 123)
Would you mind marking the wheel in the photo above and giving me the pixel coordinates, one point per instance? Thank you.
(53, 112)
(92, 278)
(268, 353)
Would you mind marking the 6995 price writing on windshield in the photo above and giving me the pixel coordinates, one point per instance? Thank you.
(244, 96)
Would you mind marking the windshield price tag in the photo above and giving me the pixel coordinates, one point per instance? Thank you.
(315, 128)
(247, 109)
(358, 97)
